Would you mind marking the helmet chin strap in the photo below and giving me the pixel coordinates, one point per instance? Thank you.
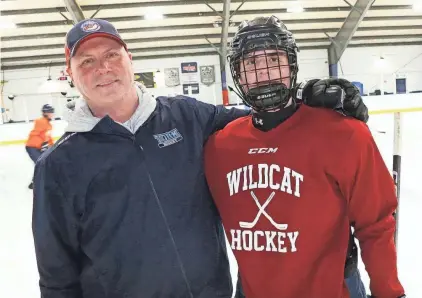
(272, 105)
(267, 120)
(270, 97)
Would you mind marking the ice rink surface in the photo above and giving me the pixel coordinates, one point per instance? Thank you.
(18, 271)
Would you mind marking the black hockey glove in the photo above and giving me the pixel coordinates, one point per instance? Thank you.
(336, 94)
(44, 147)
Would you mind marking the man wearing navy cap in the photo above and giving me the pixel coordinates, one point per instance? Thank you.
(121, 204)
(101, 69)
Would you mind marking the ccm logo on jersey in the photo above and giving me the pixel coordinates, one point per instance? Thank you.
(262, 150)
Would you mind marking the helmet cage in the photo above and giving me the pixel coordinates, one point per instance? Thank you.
(270, 40)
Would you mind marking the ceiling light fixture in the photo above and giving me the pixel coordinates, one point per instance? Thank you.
(417, 6)
(153, 14)
(295, 7)
(7, 25)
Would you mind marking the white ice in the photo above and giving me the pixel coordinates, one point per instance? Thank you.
(18, 271)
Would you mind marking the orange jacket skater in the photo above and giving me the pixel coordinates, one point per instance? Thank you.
(40, 139)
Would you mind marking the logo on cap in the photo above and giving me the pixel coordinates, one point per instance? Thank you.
(90, 26)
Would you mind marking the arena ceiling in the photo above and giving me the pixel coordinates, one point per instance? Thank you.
(32, 32)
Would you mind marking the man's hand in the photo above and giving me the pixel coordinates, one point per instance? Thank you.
(336, 94)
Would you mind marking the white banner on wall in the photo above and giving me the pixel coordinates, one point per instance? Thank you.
(171, 77)
(207, 74)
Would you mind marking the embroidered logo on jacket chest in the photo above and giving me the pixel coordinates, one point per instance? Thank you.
(168, 138)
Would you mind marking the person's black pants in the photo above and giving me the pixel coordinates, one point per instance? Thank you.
(33, 153)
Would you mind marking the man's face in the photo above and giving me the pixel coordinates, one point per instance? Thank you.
(264, 67)
(102, 70)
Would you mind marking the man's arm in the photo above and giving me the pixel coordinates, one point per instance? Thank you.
(55, 235)
(213, 118)
(338, 94)
(369, 189)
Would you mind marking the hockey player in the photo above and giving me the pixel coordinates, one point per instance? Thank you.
(39, 139)
(290, 180)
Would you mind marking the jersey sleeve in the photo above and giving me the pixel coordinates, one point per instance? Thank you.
(369, 188)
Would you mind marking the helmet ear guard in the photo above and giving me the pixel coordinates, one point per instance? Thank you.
(263, 34)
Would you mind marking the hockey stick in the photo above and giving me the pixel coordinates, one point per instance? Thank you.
(397, 168)
(250, 225)
(277, 225)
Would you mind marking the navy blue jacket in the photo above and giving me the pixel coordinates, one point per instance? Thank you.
(123, 215)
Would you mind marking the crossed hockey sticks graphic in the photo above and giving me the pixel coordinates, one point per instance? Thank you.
(249, 225)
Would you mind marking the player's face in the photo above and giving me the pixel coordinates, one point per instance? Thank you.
(102, 70)
(49, 115)
(264, 67)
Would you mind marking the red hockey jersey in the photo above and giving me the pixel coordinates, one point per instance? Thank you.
(288, 196)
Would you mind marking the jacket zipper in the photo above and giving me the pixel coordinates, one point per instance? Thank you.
(163, 215)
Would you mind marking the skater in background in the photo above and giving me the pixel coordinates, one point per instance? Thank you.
(39, 139)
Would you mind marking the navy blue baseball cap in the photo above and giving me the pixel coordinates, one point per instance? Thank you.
(87, 29)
